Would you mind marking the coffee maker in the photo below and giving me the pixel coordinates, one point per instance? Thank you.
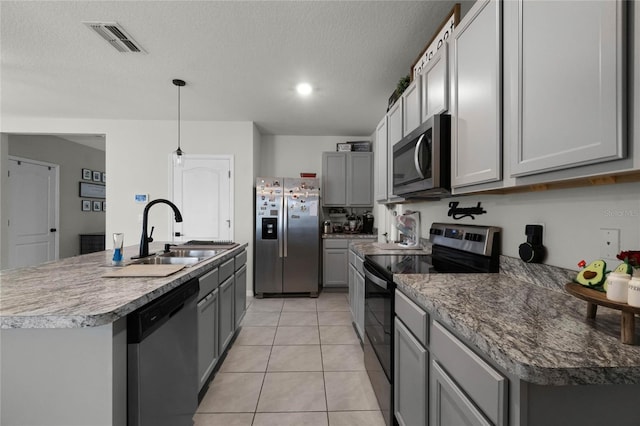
(367, 223)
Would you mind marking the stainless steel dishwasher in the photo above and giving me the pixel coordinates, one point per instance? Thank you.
(162, 354)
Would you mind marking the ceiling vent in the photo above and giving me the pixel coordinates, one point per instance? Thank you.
(116, 36)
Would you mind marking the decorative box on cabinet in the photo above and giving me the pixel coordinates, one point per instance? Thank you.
(476, 124)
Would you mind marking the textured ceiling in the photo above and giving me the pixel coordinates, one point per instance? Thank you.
(241, 60)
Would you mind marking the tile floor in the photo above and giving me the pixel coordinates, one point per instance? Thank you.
(296, 361)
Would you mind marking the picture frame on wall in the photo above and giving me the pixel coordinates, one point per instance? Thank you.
(97, 176)
(97, 206)
(86, 205)
(92, 190)
(87, 174)
(104, 177)
(104, 206)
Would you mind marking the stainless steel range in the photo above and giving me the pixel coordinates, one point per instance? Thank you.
(455, 249)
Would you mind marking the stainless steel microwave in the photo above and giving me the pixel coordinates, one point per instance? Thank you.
(422, 160)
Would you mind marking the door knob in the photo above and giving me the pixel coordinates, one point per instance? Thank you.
(52, 230)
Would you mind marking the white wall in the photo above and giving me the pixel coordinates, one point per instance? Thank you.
(572, 219)
(137, 161)
(287, 156)
(4, 208)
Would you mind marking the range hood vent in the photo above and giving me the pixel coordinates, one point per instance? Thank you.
(116, 36)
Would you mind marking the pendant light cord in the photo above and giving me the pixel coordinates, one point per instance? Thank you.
(179, 84)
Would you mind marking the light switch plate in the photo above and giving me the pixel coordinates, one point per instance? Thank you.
(609, 243)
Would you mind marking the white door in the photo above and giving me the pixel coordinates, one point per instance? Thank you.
(33, 211)
(202, 190)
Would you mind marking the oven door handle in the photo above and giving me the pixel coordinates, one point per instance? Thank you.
(370, 275)
(416, 157)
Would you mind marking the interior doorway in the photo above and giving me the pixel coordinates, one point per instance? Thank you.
(203, 191)
(33, 212)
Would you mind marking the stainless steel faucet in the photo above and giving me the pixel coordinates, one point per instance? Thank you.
(146, 239)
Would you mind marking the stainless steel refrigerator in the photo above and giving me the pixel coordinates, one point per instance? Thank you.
(287, 238)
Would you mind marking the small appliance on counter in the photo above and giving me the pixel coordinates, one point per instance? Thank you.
(409, 226)
(367, 223)
(326, 227)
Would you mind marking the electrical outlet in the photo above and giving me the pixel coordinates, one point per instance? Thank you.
(609, 243)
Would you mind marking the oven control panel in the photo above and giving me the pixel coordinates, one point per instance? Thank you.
(483, 240)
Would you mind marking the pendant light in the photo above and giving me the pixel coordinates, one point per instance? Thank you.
(178, 153)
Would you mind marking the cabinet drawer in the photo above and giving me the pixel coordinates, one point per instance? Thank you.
(336, 243)
(240, 260)
(352, 257)
(484, 385)
(413, 316)
(208, 283)
(226, 269)
(359, 264)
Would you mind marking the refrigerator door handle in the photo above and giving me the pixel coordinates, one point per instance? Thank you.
(280, 231)
(285, 231)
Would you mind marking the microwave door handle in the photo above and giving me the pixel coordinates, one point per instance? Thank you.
(416, 157)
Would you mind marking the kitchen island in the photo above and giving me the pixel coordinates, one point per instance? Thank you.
(561, 368)
(64, 337)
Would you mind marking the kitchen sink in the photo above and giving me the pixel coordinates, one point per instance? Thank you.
(160, 260)
(204, 254)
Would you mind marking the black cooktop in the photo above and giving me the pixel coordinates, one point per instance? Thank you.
(401, 263)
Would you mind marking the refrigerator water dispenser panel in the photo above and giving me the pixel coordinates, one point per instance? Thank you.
(269, 228)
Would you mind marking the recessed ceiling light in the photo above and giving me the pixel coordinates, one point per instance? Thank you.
(304, 89)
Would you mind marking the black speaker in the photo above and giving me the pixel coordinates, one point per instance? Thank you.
(533, 251)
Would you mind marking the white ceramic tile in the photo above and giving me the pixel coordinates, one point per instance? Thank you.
(334, 318)
(295, 358)
(299, 305)
(232, 393)
(282, 392)
(261, 319)
(347, 391)
(342, 358)
(291, 419)
(298, 318)
(297, 336)
(246, 359)
(356, 418)
(266, 305)
(223, 419)
(338, 335)
(251, 335)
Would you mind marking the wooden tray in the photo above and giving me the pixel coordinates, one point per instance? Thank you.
(144, 271)
(595, 298)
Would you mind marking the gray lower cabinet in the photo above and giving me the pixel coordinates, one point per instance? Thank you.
(335, 263)
(411, 363)
(207, 336)
(208, 305)
(463, 383)
(240, 294)
(359, 303)
(449, 404)
(411, 367)
(226, 317)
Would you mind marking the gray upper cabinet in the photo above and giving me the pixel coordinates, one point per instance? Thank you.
(411, 105)
(394, 135)
(476, 96)
(569, 86)
(347, 179)
(381, 160)
(435, 84)
(334, 177)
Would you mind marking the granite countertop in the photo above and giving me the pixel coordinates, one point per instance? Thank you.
(71, 292)
(539, 335)
(367, 248)
(349, 236)
(524, 321)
